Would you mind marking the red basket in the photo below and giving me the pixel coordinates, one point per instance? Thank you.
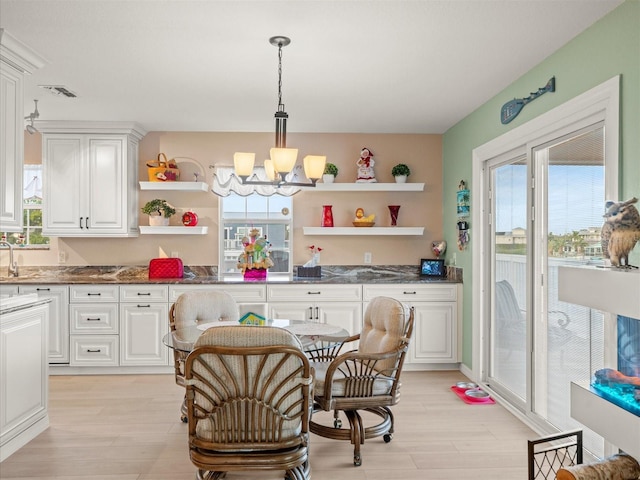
(255, 274)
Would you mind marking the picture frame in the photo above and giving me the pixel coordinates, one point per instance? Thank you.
(432, 267)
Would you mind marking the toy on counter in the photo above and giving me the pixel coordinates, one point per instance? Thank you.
(256, 253)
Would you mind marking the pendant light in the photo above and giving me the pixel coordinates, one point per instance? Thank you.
(282, 159)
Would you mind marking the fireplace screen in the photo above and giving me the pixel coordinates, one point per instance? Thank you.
(622, 386)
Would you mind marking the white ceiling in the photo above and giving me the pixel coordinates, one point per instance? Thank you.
(360, 66)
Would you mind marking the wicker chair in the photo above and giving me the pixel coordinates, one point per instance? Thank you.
(248, 402)
(192, 308)
(546, 455)
(366, 379)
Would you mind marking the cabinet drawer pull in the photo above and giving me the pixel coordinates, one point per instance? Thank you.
(143, 306)
(89, 350)
(314, 293)
(86, 223)
(93, 294)
(43, 289)
(310, 313)
(409, 293)
(93, 319)
(144, 294)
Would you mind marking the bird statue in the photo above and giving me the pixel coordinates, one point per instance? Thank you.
(620, 232)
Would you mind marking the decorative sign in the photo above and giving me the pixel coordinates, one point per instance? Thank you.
(512, 108)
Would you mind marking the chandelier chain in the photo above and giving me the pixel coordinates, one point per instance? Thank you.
(280, 104)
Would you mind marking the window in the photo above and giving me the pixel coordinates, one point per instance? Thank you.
(271, 216)
(31, 236)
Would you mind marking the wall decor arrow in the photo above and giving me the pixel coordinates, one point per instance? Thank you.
(512, 108)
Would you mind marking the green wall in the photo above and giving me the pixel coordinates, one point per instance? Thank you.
(608, 48)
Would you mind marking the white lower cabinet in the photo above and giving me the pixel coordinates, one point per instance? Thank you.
(144, 320)
(24, 377)
(58, 319)
(437, 313)
(93, 312)
(339, 305)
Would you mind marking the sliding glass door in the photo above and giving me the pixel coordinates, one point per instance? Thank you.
(546, 203)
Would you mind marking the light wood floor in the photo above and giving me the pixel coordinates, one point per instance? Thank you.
(128, 428)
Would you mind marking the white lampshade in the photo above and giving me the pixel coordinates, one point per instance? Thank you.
(314, 166)
(243, 163)
(268, 168)
(284, 159)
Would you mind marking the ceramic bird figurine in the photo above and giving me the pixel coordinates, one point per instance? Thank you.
(620, 232)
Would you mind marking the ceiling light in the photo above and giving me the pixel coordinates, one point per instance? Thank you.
(282, 160)
(31, 117)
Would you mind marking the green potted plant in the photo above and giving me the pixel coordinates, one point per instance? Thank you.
(159, 211)
(330, 173)
(401, 172)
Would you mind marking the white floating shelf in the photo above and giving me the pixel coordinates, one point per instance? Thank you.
(360, 231)
(367, 187)
(148, 230)
(175, 186)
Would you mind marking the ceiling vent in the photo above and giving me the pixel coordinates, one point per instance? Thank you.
(58, 90)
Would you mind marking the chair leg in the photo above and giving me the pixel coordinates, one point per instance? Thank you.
(357, 434)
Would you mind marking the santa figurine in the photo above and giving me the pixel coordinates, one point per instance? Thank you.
(365, 167)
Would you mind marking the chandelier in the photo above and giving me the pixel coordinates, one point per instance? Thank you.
(282, 160)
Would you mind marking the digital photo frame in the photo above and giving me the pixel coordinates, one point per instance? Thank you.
(432, 268)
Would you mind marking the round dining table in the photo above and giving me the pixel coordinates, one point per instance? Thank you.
(312, 335)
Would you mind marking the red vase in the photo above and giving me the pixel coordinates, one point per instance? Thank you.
(393, 210)
(327, 216)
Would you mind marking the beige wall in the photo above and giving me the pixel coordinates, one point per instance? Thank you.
(197, 151)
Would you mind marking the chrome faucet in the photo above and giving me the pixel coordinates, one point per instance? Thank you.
(13, 266)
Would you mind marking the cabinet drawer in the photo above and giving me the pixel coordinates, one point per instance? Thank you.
(244, 293)
(94, 319)
(93, 293)
(144, 293)
(412, 292)
(88, 350)
(313, 293)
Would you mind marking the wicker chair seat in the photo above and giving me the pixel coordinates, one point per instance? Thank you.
(343, 382)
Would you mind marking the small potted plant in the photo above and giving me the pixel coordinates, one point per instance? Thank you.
(159, 211)
(401, 172)
(330, 173)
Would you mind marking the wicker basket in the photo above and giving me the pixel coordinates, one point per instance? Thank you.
(163, 170)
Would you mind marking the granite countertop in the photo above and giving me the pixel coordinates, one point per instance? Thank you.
(197, 275)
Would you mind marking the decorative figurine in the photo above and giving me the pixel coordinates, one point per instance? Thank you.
(365, 167)
(362, 221)
(620, 232)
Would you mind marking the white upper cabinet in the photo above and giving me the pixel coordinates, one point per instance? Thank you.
(16, 60)
(90, 179)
